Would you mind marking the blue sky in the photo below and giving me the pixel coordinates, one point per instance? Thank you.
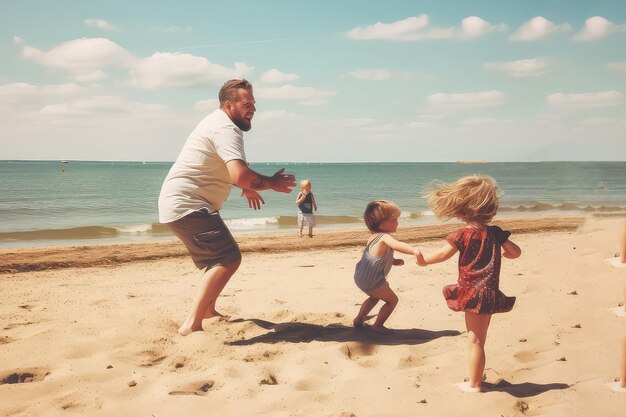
(334, 80)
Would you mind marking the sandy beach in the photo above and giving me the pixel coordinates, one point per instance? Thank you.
(93, 330)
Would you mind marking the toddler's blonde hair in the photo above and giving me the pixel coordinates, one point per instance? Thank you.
(304, 183)
(378, 211)
(472, 198)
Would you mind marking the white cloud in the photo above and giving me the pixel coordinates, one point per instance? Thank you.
(597, 27)
(303, 95)
(409, 29)
(466, 101)
(602, 121)
(418, 28)
(23, 95)
(99, 23)
(164, 69)
(482, 121)
(521, 68)
(617, 66)
(103, 108)
(537, 28)
(274, 76)
(207, 105)
(272, 115)
(85, 57)
(585, 101)
(381, 74)
(474, 27)
(178, 29)
(355, 123)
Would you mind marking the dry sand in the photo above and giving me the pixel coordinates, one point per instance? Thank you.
(92, 331)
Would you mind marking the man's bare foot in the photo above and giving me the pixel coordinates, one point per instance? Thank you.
(185, 330)
(358, 323)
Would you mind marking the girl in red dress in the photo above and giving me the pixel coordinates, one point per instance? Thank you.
(473, 200)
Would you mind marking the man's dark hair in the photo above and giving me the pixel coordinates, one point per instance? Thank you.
(228, 92)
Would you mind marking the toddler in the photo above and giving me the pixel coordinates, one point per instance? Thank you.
(306, 205)
(381, 218)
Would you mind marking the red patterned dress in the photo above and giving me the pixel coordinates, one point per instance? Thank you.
(477, 290)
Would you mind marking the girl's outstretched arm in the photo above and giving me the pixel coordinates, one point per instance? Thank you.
(511, 250)
(441, 255)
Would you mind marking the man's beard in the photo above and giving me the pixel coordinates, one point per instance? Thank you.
(243, 124)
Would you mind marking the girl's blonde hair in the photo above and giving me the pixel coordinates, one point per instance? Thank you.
(378, 211)
(304, 183)
(473, 198)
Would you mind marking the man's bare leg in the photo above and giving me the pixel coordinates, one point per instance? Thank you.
(210, 286)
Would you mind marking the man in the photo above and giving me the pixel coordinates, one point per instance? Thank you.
(211, 161)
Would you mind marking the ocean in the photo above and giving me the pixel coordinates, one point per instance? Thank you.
(46, 203)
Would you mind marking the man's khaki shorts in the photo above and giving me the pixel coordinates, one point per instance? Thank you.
(207, 239)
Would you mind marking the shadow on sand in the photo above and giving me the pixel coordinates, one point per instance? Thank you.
(523, 390)
(295, 332)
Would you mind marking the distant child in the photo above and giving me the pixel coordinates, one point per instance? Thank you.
(306, 205)
(381, 218)
(473, 200)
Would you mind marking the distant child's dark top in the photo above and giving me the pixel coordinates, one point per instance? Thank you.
(306, 206)
(477, 290)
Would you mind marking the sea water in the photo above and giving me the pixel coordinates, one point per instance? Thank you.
(86, 202)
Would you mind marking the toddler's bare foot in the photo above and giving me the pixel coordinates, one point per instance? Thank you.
(358, 323)
(381, 329)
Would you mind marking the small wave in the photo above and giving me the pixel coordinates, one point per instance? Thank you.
(251, 223)
(135, 229)
(89, 232)
(564, 207)
(291, 221)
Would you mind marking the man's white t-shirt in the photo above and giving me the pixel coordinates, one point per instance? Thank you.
(199, 177)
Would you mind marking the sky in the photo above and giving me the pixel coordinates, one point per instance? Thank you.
(334, 81)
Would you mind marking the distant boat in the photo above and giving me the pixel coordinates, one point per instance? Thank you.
(65, 161)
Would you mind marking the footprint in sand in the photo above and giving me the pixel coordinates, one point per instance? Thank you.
(24, 375)
(269, 379)
(4, 340)
(150, 358)
(525, 356)
(197, 388)
(410, 361)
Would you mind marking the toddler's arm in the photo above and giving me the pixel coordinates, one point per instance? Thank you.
(399, 246)
(313, 201)
(300, 198)
(510, 250)
(440, 255)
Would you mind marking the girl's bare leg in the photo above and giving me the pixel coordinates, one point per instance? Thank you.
(477, 326)
(210, 286)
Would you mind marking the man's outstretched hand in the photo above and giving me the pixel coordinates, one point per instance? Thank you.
(283, 183)
(254, 199)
